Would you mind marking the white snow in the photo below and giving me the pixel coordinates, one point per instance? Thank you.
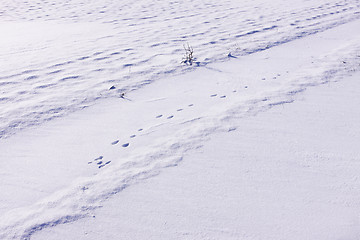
(57, 57)
(245, 162)
(287, 173)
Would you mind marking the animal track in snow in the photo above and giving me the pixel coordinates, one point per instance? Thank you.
(99, 162)
(103, 165)
(231, 129)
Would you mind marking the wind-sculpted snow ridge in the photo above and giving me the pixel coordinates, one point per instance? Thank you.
(81, 198)
(61, 56)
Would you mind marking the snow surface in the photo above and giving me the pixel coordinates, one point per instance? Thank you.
(60, 57)
(288, 173)
(57, 56)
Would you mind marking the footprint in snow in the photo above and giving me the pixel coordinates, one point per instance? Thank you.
(191, 105)
(140, 129)
(115, 142)
(132, 136)
(170, 117)
(97, 159)
(180, 109)
(231, 129)
(126, 145)
(223, 96)
(278, 75)
(103, 165)
(159, 116)
(214, 95)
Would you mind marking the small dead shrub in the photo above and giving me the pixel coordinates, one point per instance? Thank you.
(188, 58)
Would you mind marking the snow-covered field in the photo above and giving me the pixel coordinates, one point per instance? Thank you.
(288, 173)
(61, 56)
(59, 60)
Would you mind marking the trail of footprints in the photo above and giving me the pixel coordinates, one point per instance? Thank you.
(100, 162)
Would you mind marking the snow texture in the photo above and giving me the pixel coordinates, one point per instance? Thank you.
(62, 56)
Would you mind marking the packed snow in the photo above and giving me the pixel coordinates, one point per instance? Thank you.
(123, 108)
